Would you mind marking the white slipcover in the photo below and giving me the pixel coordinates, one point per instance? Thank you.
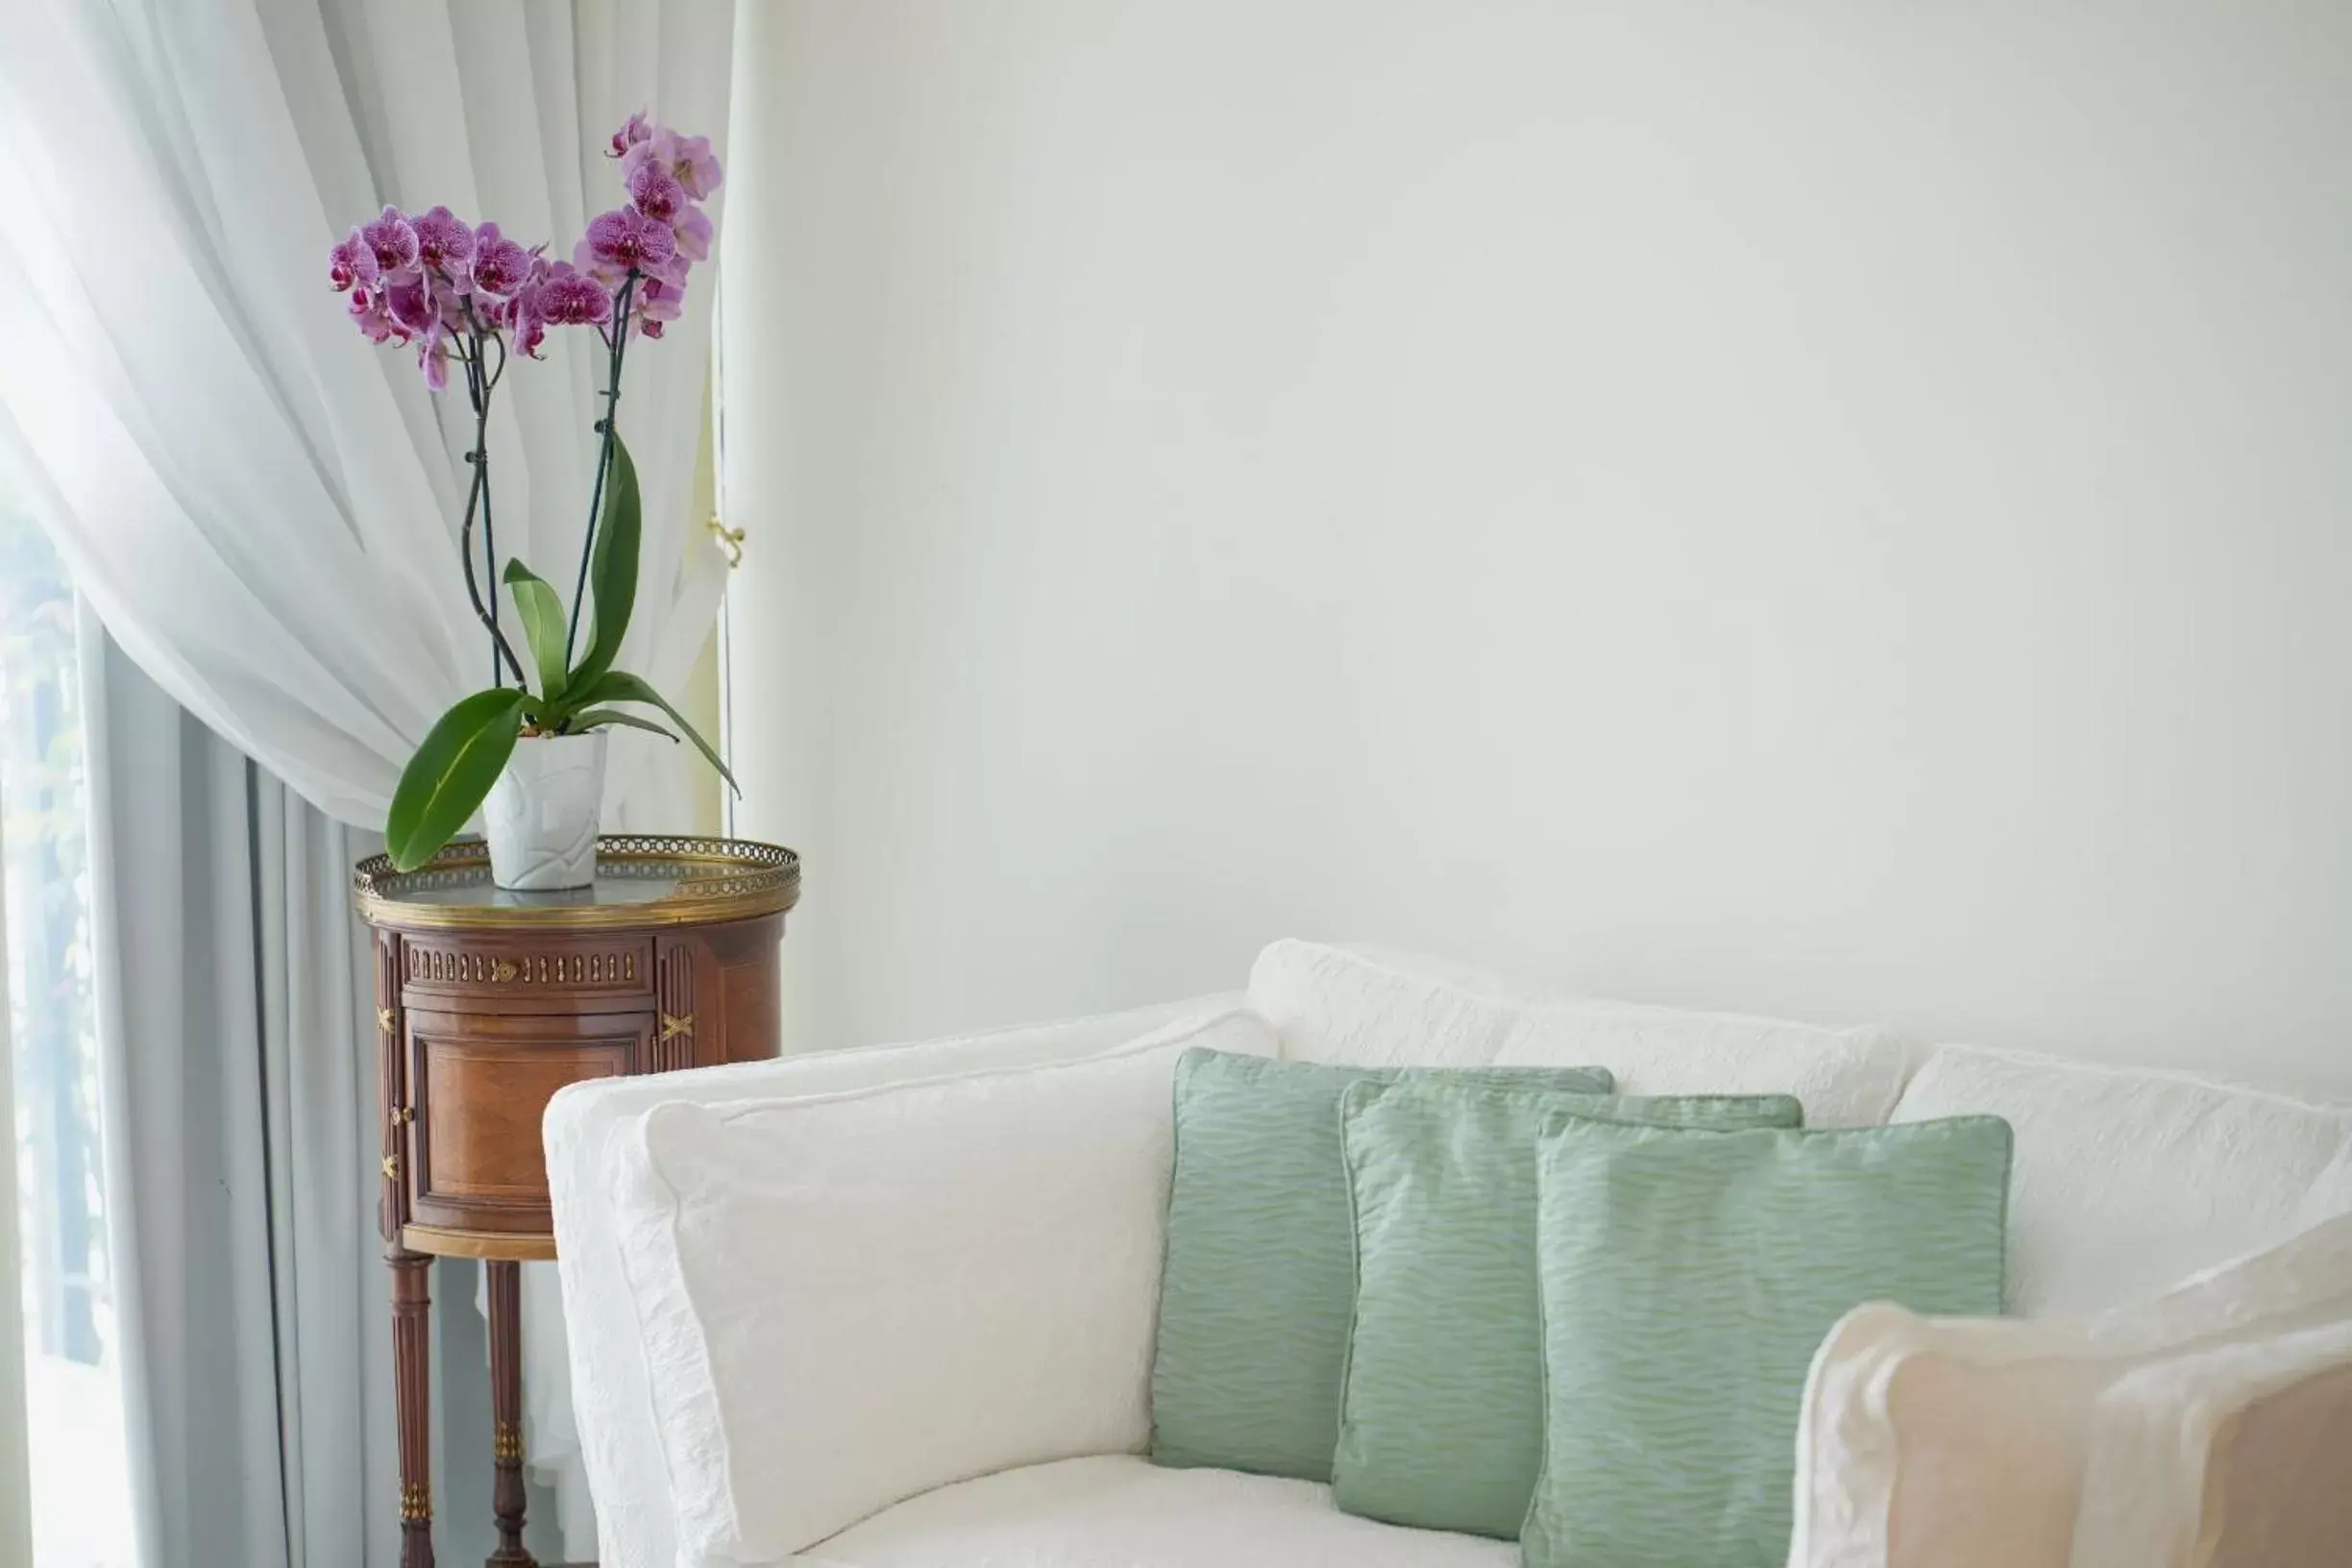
(2126, 1182)
(1122, 1511)
(1370, 1007)
(972, 1284)
(1365, 1009)
(2231, 1456)
(1844, 1077)
(2107, 1155)
(1964, 1444)
(619, 1442)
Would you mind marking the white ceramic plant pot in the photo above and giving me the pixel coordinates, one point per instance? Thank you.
(540, 817)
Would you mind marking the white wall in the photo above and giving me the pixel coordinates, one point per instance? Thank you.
(1840, 508)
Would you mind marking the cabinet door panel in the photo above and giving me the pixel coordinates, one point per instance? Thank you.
(480, 1083)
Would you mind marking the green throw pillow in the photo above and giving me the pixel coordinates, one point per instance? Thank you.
(1441, 1409)
(1259, 1274)
(1687, 1282)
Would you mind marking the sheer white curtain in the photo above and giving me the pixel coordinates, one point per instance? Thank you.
(255, 1360)
(263, 510)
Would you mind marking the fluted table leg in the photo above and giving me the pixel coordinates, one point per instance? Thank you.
(505, 1281)
(412, 1382)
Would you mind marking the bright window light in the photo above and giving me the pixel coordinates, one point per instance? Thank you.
(80, 1487)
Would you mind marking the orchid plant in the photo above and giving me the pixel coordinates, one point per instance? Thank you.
(469, 296)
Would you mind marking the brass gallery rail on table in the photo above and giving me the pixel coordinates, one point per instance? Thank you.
(487, 1002)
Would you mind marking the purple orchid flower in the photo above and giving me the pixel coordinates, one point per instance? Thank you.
(634, 130)
(352, 263)
(433, 356)
(410, 304)
(655, 191)
(445, 246)
(557, 295)
(687, 158)
(570, 298)
(655, 303)
(523, 315)
(433, 280)
(692, 231)
(375, 322)
(622, 241)
(501, 265)
(394, 240)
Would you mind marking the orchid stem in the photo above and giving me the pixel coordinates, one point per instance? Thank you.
(618, 345)
(465, 547)
(477, 392)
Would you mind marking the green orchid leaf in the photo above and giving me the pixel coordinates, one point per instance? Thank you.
(554, 716)
(612, 568)
(595, 716)
(620, 686)
(543, 625)
(451, 774)
(588, 634)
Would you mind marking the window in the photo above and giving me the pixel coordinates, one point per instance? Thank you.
(81, 1492)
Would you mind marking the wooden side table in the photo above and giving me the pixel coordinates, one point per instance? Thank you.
(487, 1002)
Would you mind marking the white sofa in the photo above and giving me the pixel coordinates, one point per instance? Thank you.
(2175, 1388)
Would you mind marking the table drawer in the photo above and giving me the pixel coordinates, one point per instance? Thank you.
(597, 969)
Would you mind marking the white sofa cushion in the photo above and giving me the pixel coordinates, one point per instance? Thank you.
(1365, 1008)
(849, 1299)
(1842, 1077)
(1122, 1513)
(620, 1447)
(2128, 1180)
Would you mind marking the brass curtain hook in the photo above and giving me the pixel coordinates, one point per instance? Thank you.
(730, 539)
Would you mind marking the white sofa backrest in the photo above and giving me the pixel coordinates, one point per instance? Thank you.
(2129, 1179)
(1367, 1008)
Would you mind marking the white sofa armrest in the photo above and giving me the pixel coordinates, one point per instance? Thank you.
(611, 1397)
(1911, 1453)
(1965, 1443)
(2239, 1456)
